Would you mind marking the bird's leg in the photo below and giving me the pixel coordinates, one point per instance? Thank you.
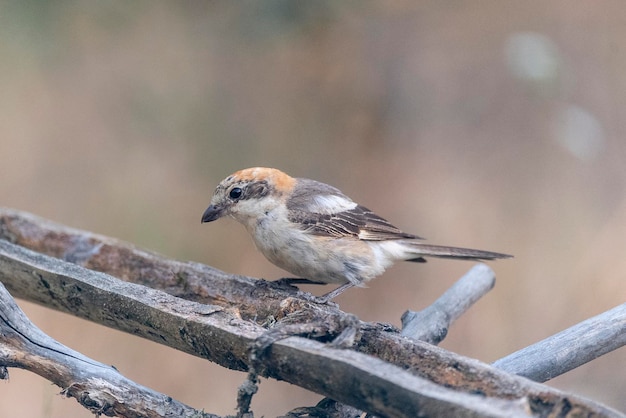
(325, 298)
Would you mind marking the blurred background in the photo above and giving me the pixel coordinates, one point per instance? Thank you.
(492, 125)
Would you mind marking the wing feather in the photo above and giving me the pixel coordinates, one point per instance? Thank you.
(323, 210)
(358, 222)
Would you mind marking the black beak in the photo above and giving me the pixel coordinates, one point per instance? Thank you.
(212, 213)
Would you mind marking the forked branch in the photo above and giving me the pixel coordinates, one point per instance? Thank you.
(216, 316)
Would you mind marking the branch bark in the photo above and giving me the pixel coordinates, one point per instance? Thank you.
(96, 386)
(219, 335)
(410, 374)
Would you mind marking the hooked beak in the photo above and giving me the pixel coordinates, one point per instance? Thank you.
(212, 213)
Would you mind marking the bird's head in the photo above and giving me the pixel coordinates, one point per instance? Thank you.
(249, 194)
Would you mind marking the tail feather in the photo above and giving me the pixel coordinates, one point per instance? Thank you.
(421, 250)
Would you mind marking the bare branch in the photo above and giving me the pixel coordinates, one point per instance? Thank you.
(96, 386)
(410, 374)
(218, 335)
(431, 324)
(570, 348)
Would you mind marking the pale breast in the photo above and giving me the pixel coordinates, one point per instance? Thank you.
(305, 255)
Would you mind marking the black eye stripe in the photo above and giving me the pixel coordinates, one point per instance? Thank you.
(257, 189)
(252, 190)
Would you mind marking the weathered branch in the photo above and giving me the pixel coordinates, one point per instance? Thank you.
(431, 324)
(570, 348)
(219, 335)
(96, 386)
(411, 374)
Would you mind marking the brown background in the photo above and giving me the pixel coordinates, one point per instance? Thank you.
(495, 125)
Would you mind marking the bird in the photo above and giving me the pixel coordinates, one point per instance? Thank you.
(314, 231)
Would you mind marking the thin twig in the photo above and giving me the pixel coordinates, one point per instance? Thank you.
(431, 324)
(570, 348)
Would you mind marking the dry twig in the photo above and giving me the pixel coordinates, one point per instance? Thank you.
(431, 324)
(570, 348)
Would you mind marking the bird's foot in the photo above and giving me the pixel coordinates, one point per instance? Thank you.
(290, 281)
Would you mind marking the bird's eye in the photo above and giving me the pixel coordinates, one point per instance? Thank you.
(235, 193)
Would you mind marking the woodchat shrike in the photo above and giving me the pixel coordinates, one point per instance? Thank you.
(313, 230)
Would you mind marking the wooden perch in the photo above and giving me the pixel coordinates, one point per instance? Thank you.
(219, 335)
(221, 316)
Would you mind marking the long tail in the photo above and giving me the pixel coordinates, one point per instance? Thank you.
(421, 250)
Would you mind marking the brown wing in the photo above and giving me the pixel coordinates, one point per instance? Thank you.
(359, 222)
